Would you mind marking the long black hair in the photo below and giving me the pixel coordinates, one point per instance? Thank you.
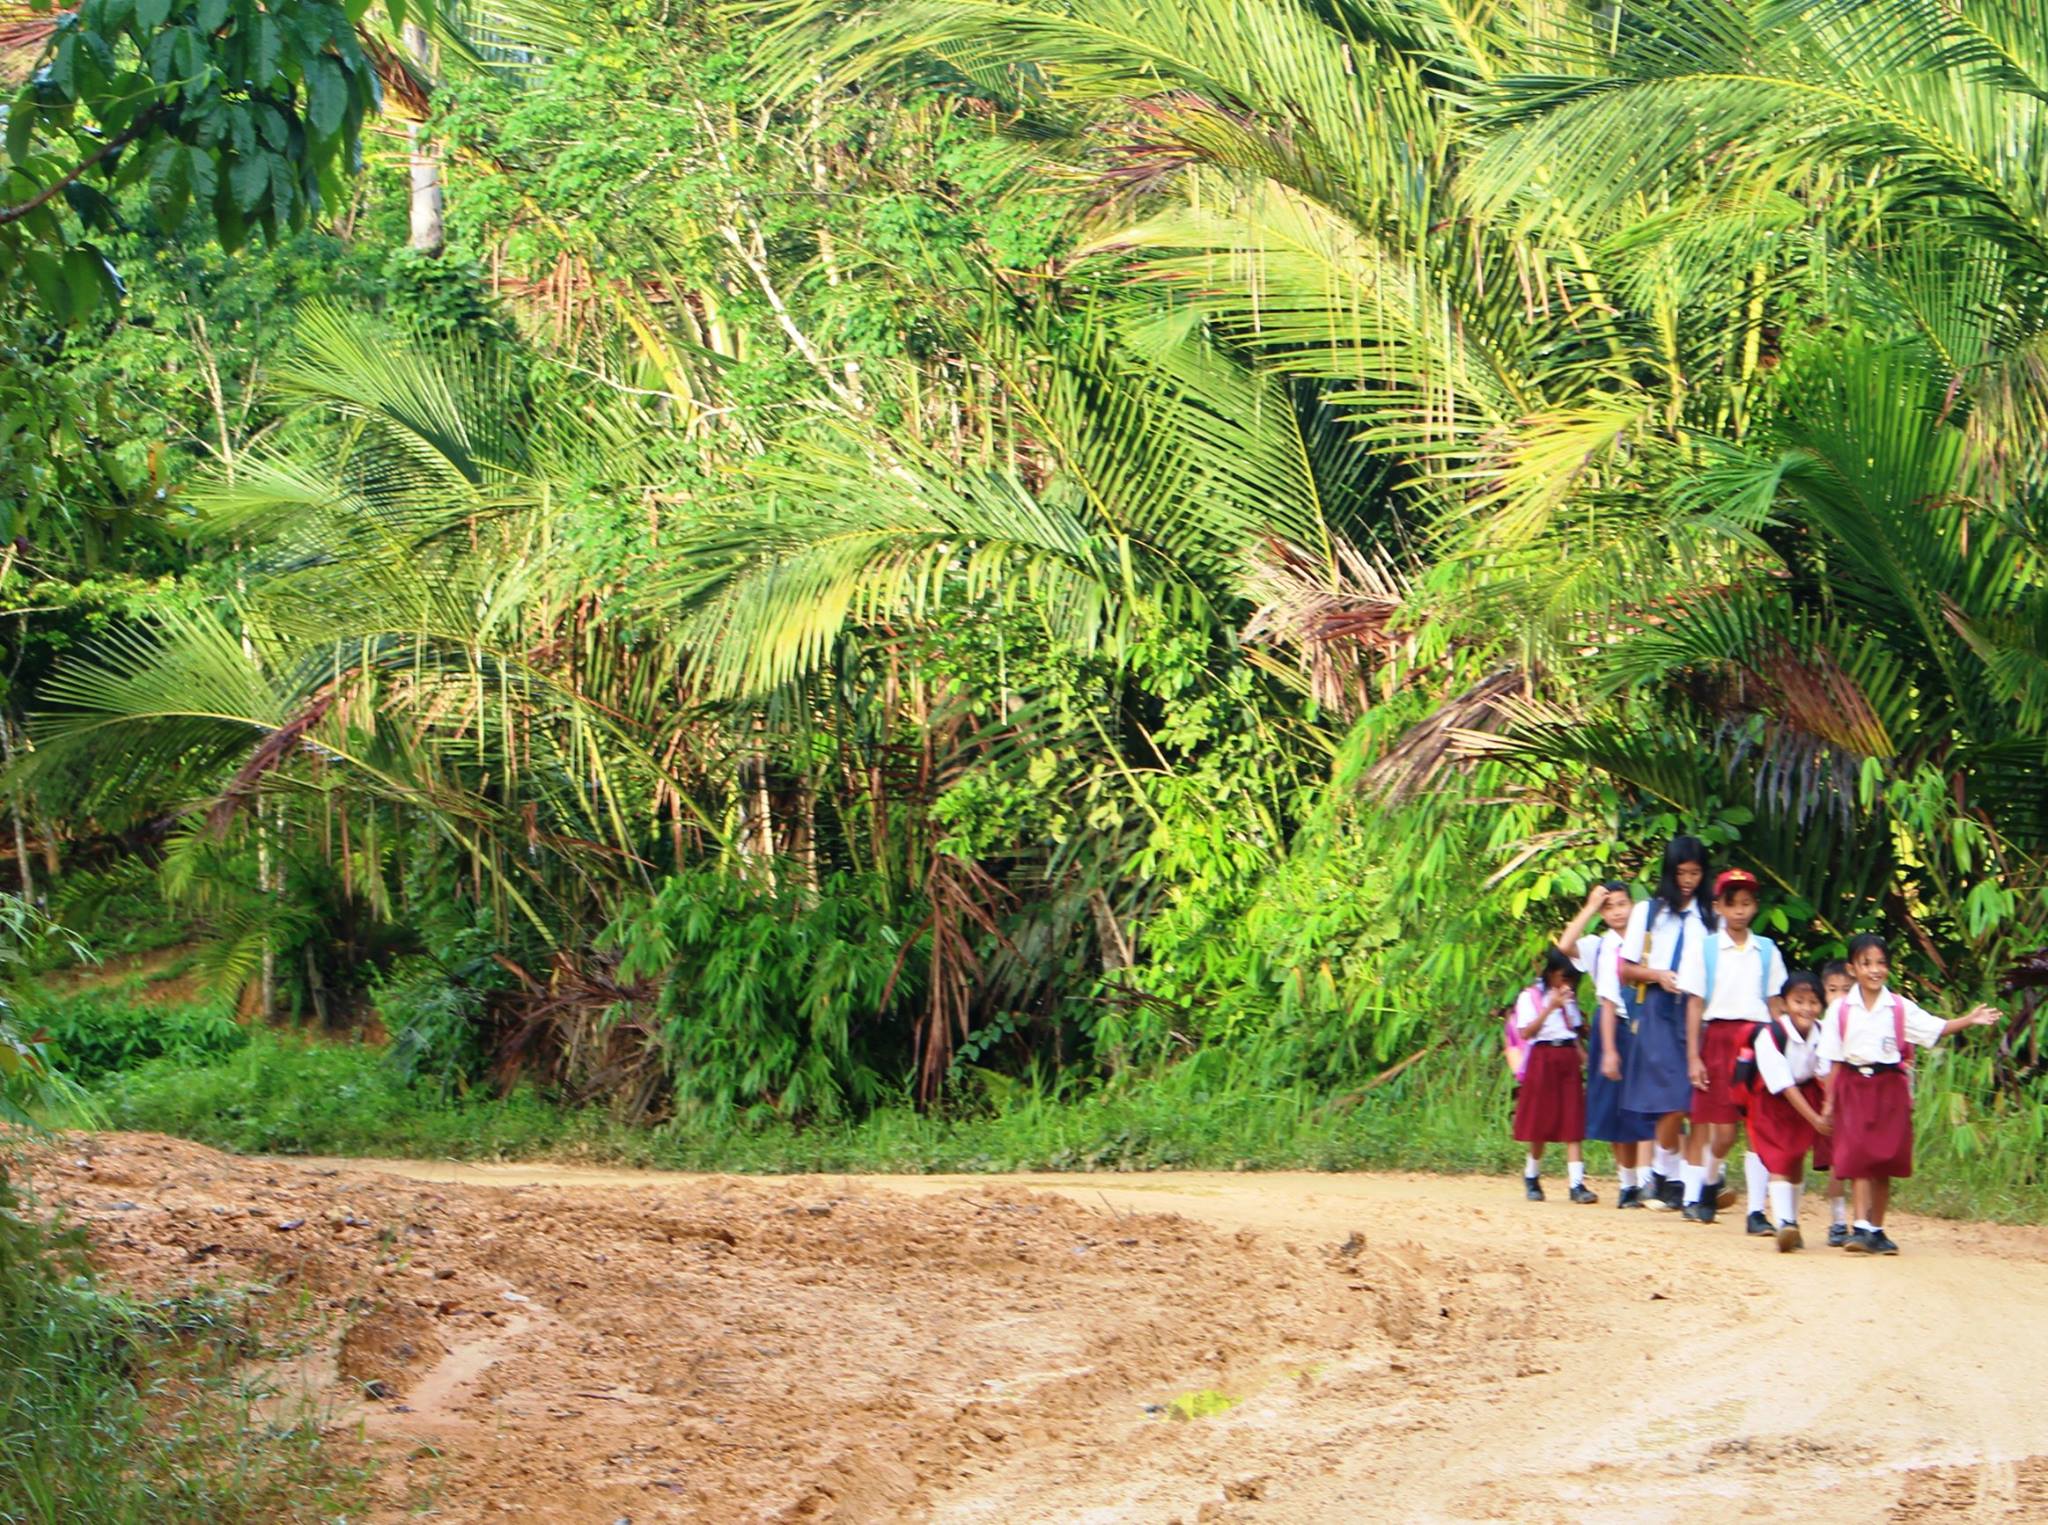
(1683, 850)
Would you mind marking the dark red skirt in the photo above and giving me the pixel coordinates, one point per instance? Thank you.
(1551, 1106)
(1782, 1138)
(1873, 1125)
(1720, 1046)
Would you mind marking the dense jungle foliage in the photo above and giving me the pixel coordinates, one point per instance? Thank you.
(768, 564)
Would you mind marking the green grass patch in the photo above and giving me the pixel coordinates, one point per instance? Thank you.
(127, 1414)
(1450, 1113)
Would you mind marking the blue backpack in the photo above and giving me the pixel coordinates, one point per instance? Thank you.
(1767, 951)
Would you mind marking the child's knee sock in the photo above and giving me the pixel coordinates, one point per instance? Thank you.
(1784, 1202)
(1713, 1162)
(1668, 1162)
(1575, 1171)
(1756, 1176)
(1627, 1175)
(1695, 1179)
(1838, 1211)
(1534, 1167)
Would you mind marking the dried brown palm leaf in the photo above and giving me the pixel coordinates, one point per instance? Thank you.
(1334, 615)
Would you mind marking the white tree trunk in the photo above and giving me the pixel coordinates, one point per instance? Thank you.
(428, 236)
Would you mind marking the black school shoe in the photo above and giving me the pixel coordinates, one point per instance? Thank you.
(1789, 1238)
(1838, 1236)
(1861, 1241)
(1631, 1196)
(1532, 1188)
(1881, 1244)
(1583, 1194)
(1760, 1226)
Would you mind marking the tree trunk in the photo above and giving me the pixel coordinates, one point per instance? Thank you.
(428, 236)
(28, 883)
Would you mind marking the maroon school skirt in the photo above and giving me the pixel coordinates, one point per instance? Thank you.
(1551, 1106)
(1782, 1138)
(1873, 1125)
(1720, 1046)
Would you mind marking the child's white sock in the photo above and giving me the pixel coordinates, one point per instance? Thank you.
(1714, 1168)
(1784, 1202)
(1865, 1226)
(1695, 1179)
(1838, 1211)
(1797, 1188)
(1756, 1176)
(1669, 1162)
(1626, 1174)
(1576, 1171)
(1534, 1167)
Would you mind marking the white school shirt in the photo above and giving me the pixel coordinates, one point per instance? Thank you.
(1740, 981)
(1601, 957)
(1871, 1038)
(1796, 1063)
(1557, 1026)
(1663, 940)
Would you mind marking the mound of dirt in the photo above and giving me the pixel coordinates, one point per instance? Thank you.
(719, 1349)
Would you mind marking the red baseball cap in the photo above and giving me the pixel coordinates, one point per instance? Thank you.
(1733, 879)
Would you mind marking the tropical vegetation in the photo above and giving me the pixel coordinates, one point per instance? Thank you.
(757, 567)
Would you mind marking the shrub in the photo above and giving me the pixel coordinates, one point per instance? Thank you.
(775, 1002)
(101, 1032)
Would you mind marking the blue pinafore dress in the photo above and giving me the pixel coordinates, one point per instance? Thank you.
(1655, 1078)
(1606, 1118)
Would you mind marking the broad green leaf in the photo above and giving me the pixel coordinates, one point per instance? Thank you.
(151, 14)
(249, 179)
(326, 96)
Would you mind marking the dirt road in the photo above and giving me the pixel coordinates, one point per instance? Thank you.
(569, 1345)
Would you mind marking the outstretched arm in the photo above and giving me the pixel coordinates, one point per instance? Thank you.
(1978, 1016)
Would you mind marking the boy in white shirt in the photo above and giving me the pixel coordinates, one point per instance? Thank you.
(1867, 1039)
(1741, 975)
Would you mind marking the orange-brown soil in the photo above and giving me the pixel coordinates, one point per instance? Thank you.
(544, 1344)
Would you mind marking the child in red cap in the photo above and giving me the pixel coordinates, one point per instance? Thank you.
(1741, 974)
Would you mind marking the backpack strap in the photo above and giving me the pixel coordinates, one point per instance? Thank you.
(1898, 1027)
(1713, 961)
(1766, 955)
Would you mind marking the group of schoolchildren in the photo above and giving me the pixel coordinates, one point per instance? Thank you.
(1699, 1031)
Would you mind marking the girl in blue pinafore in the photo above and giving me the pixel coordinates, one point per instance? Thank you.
(1656, 1080)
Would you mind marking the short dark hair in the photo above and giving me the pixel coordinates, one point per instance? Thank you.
(1613, 886)
(1835, 968)
(1801, 979)
(1862, 942)
(1556, 962)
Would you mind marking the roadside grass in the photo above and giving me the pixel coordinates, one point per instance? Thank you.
(130, 1414)
(288, 1095)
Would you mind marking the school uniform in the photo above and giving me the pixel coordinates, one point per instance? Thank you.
(1606, 1118)
(1657, 1080)
(1786, 1062)
(1550, 1107)
(1873, 1093)
(1744, 978)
